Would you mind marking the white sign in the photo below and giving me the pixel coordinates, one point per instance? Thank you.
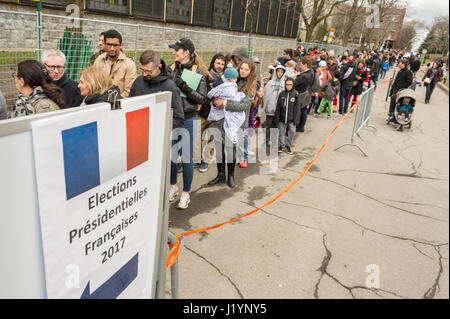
(99, 199)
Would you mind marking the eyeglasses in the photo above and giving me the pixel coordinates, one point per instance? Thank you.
(55, 67)
(149, 72)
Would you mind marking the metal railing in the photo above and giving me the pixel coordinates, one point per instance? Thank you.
(362, 117)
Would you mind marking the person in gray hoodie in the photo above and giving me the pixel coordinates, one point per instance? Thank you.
(271, 91)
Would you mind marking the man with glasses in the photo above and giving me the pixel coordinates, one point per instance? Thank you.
(155, 79)
(114, 61)
(55, 62)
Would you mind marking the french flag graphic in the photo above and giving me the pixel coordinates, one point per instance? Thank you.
(88, 162)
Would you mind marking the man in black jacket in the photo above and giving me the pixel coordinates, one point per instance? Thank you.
(375, 69)
(155, 79)
(348, 71)
(402, 81)
(55, 62)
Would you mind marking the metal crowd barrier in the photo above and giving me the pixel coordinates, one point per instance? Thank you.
(362, 117)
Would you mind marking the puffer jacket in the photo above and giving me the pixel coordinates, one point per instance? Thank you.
(272, 89)
(288, 108)
(194, 98)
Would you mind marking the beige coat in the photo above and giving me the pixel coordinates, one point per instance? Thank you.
(45, 105)
(123, 71)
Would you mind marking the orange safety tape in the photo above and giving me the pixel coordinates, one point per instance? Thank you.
(175, 248)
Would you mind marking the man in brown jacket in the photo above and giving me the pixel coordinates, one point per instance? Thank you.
(114, 61)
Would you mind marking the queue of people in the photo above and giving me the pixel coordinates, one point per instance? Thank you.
(231, 98)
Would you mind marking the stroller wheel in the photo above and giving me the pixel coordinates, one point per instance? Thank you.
(409, 125)
(400, 128)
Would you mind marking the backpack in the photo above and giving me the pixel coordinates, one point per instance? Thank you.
(386, 66)
(315, 85)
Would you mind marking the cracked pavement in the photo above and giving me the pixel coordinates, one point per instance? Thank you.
(348, 212)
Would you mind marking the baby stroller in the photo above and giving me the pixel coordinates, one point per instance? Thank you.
(404, 108)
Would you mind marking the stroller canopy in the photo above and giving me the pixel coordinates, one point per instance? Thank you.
(406, 93)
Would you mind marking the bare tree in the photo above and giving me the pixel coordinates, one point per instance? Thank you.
(350, 17)
(408, 35)
(314, 12)
(248, 5)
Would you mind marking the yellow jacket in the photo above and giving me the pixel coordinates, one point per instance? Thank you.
(123, 71)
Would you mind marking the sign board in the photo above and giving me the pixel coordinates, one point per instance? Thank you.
(98, 180)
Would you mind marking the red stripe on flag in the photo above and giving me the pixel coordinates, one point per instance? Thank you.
(137, 137)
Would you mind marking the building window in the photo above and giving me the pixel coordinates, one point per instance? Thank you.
(221, 14)
(149, 8)
(179, 10)
(274, 5)
(282, 18)
(203, 12)
(117, 6)
(252, 16)
(263, 16)
(238, 16)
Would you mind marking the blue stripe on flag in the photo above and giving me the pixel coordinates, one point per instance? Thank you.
(81, 159)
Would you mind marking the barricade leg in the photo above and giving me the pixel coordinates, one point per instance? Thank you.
(174, 279)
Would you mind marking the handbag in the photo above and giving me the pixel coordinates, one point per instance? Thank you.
(427, 80)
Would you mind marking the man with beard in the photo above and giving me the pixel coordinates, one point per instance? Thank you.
(155, 79)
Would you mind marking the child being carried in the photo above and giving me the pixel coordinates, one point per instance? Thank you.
(226, 88)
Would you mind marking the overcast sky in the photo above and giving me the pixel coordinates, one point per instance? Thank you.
(425, 10)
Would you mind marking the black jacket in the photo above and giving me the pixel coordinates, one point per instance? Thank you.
(71, 92)
(292, 112)
(99, 98)
(195, 98)
(415, 65)
(359, 87)
(349, 70)
(403, 80)
(161, 83)
(376, 65)
(304, 81)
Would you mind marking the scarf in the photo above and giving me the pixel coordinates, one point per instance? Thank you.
(215, 75)
(24, 104)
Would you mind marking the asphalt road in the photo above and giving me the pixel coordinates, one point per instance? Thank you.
(351, 224)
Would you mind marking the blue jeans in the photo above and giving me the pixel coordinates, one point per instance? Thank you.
(183, 139)
(373, 78)
(243, 143)
(282, 134)
(344, 99)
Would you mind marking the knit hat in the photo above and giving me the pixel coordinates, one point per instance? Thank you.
(322, 64)
(231, 73)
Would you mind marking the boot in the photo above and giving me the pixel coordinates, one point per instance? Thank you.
(220, 175)
(231, 181)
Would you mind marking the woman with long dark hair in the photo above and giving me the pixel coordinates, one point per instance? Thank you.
(37, 94)
(247, 83)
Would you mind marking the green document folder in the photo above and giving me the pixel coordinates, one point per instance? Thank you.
(192, 80)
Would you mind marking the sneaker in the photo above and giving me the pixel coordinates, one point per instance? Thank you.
(243, 164)
(280, 149)
(197, 164)
(203, 167)
(289, 151)
(173, 193)
(329, 117)
(185, 199)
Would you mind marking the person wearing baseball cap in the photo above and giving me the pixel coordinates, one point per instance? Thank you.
(186, 59)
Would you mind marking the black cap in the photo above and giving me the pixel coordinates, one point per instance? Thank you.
(185, 44)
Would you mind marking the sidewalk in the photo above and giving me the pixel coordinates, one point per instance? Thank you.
(349, 216)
